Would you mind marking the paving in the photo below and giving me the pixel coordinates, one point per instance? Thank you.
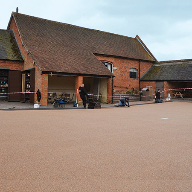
(144, 148)
(5, 105)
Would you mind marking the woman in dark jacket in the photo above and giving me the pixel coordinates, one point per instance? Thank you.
(38, 96)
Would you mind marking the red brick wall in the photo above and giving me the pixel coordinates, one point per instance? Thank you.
(44, 89)
(122, 81)
(151, 84)
(13, 65)
(109, 90)
(166, 87)
(78, 82)
(144, 66)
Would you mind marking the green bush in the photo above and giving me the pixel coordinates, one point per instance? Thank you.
(129, 92)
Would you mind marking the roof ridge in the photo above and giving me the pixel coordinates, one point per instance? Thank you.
(172, 61)
(73, 25)
(166, 64)
(71, 48)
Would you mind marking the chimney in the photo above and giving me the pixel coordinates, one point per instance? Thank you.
(17, 10)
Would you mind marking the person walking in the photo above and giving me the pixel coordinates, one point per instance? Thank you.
(83, 94)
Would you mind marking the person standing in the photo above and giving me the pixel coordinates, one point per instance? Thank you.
(83, 94)
(158, 96)
(38, 96)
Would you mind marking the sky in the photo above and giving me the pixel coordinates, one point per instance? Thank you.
(165, 26)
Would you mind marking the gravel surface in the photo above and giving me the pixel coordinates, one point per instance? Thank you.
(145, 148)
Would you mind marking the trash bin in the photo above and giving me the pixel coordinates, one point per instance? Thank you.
(145, 94)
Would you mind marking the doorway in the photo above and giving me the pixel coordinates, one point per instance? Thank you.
(160, 85)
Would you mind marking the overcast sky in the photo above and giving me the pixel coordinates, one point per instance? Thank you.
(165, 26)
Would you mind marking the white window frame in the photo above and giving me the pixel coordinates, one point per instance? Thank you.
(133, 70)
(109, 66)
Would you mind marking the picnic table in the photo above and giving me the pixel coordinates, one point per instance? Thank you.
(178, 94)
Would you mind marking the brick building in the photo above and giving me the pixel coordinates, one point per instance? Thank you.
(170, 77)
(58, 57)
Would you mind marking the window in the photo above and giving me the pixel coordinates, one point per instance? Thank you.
(109, 66)
(133, 73)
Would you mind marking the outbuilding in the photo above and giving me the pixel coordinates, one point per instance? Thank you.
(171, 77)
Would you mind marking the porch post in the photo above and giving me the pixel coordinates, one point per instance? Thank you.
(109, 90)
(78, 82)
(44, 91)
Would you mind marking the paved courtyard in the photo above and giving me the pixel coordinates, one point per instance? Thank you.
(143, 148)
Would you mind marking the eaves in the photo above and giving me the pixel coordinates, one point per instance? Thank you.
(76, 74)
(123, 57)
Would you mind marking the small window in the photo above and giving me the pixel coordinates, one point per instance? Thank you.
(133, 73)
(109, 66)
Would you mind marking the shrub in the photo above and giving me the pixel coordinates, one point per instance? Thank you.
(129, 92)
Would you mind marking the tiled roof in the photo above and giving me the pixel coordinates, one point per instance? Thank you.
(8, 46)
(67, 48)
(178, 70)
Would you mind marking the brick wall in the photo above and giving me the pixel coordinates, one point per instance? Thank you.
(39, 83)
(144, 66)
(167, 86)
(121, 66)
(109, 90)
(151, 84)
(44, 89)
(78, 82)
(13, 65)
